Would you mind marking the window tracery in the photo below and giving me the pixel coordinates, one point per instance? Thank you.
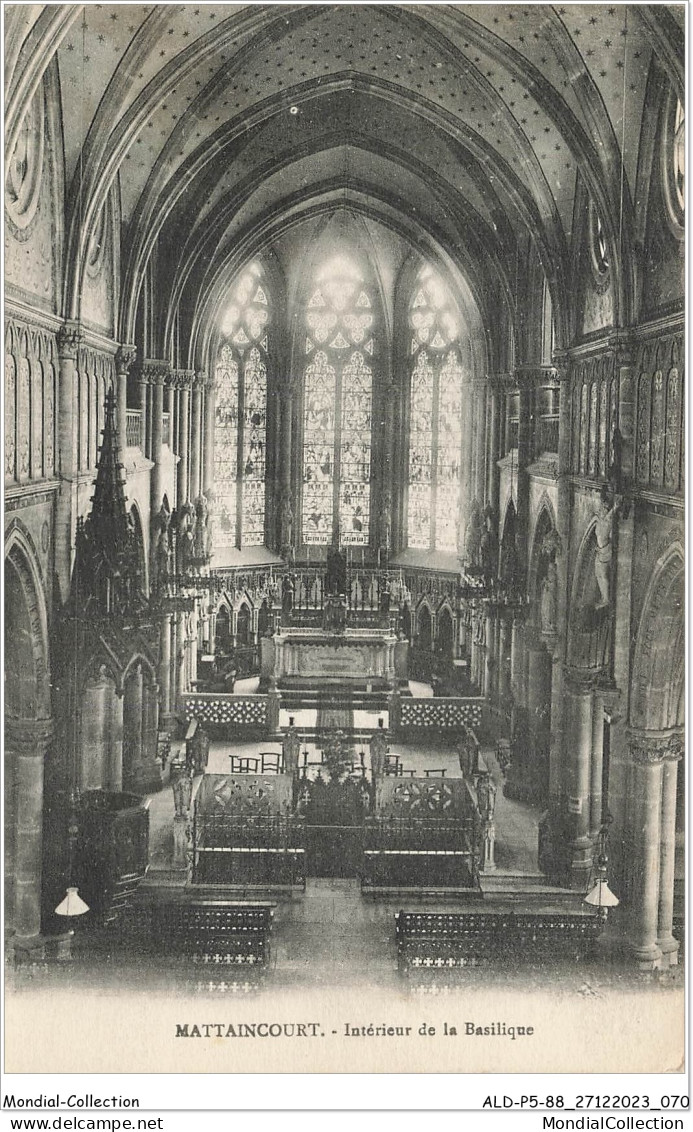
(240, 415)
(337, 407)
(435, 437)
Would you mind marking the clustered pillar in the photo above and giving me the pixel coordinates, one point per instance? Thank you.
(652, 837)
(27, 741)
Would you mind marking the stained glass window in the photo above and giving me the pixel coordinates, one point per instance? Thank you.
(241, 415)
(435, 434)
(337, 407)
(225, 447)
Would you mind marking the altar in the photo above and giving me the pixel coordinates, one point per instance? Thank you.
(355, 657)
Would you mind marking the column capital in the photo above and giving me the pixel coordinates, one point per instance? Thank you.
(124, 358)
(624, 349)
(530, 377)
(153, 371)
(182, 378)
(70, 338)
(582, 680)
(561, 365)
(29, 736)
(199, 380)
(648, 748)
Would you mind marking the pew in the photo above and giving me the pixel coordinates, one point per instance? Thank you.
(436, 940)
(214, 932)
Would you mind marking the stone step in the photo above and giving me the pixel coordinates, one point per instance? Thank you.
(509, 877)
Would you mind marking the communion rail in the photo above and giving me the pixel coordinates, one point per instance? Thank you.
(427, 940)
(263, 850)
(420, 854)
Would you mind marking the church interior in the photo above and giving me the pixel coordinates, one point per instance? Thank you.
(344, 493)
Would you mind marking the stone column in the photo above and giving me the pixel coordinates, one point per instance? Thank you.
(181, 684)
(559, 734)
(385, 534)
(114, 769)
(28, 740)
(504, 653)
(95, 720)
(165, 669)
(596, 801)
(289, 532)
(577, 691)
(620, 763)
(489, 658)
(125, 356)
(493, 440)
(196, 438)
(69, 341)
(185, 378)
(173, 666)
(208, 478)
(149, 776)
(674, 751)
(132, 730)
(647, 754)
(517, 663)
(538, 708)
(666, 943)
(524, 456)
(144, 412)
(156, 372)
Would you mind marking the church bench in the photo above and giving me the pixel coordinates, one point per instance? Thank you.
(483, 939)
(214, 932)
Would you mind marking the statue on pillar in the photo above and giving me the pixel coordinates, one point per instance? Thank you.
(287, 594)
(291, 746)
(488, 544)
(201, 531)
(473, 535)
(548, 589)
(486, 796)
(161, 551)
(186, 524)
(182, 785)
(379, 749)
(468, 753)
(386, 522)
(286, 535)
(336, 571)
(606, 513)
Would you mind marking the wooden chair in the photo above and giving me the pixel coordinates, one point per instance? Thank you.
(393, 766)
(243, 764)
(270, 762)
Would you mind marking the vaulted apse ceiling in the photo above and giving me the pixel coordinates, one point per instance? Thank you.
(461, 126)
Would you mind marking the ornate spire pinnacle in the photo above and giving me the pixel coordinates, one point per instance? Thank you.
(106, 577)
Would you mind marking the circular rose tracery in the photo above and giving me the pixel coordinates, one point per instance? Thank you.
(24, 169)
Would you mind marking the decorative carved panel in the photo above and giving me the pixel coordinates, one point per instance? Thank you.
(659, 454)
(671, 459)
(243, 711)
(440, 714)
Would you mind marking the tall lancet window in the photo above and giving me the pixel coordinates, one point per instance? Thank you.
(337, 407)
(435, 434)
(241, 415)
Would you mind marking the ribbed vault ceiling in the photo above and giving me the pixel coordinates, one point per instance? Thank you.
(470, 120)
